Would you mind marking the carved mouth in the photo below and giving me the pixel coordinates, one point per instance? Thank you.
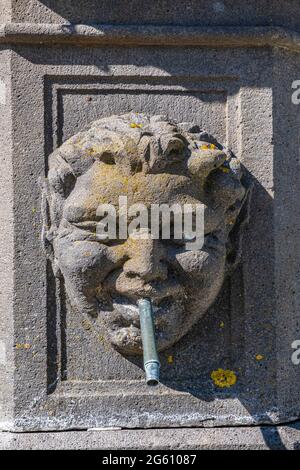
(119, 312)
(128, 311)
(124, 312)
(123, 323)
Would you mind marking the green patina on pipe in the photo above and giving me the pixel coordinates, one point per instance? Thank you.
(151, 362)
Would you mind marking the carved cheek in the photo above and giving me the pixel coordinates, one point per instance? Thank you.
(84, 260)
(201, 264)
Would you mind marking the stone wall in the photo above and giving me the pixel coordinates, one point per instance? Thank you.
(226, 66)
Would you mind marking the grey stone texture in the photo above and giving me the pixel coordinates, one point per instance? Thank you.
(226, 66)
(182, 439)
(160, 12)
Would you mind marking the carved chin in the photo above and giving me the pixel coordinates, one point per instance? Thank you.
(127, 340)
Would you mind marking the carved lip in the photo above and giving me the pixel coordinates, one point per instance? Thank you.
(128, 312)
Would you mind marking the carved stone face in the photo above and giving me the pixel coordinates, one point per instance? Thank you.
(149, 160)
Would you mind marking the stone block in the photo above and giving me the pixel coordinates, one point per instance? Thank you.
(227, 67)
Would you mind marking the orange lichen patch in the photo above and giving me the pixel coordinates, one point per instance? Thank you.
(170, 359)
(22, 346)
(223, 378)
(208, 147)
(259, 357)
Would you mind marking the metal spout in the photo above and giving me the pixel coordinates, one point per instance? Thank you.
(151, 362)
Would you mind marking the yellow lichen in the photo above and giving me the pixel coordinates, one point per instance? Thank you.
(170, 359)
(87, 254)
(224, 169)
(23, 346)
(259, 357)
(134, 125)
(208, 147)
(222, 324)
(223, 378)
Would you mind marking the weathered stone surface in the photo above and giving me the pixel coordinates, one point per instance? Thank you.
(238, 438)
(191, 12)
(6, 242)
(50, 361)
(149, 161)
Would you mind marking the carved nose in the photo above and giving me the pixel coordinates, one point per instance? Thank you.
(148, 261)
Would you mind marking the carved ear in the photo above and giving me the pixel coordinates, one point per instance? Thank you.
(55, 189)
(46, 219)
